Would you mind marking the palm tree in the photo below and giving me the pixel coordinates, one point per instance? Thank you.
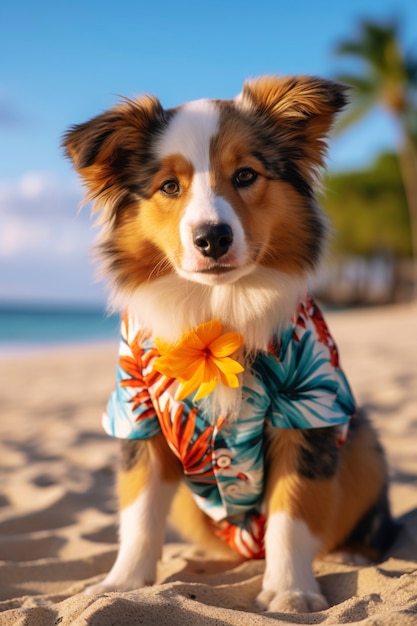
(387, 78)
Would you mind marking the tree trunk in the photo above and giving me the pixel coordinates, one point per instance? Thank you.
(408, 164)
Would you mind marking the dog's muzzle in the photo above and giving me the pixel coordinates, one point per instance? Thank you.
(213, 240)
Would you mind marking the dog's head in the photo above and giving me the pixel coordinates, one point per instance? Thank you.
(212, 189)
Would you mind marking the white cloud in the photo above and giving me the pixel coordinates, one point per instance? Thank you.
(39, 214)
(32, 185)
(45, 241)
(18, 236)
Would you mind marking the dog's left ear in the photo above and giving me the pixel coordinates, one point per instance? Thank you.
(301, 108)
(109, 151)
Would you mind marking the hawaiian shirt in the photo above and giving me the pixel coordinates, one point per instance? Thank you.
(297, 383)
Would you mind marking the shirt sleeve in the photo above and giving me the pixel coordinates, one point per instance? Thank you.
(130, 410)
(307, 386)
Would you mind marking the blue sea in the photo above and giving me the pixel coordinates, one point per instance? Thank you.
(25, 328)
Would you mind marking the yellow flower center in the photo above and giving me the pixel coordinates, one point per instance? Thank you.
(200, 359)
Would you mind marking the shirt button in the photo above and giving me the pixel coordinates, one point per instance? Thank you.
(224, 461)
(232, 489)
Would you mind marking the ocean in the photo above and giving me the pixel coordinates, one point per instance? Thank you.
(26, 328)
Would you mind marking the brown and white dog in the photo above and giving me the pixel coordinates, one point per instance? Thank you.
(208, 212)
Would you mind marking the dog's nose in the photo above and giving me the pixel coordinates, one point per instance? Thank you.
(213, 240)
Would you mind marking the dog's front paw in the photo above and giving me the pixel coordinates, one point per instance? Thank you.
(99, 589)
(110, 584)
(293, 601)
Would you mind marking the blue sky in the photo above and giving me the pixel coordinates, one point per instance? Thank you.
(63, 62)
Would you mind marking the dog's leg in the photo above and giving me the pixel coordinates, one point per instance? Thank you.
(195, 526)
(301, 499)
(148, 480)
(319, 498)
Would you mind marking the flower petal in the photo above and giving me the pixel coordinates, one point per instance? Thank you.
(189, 371)
(188, 386)
(206, 389)
(228, 365)
(230, 380)
(226, 344)
(191, 341)
(209, 332)
(199, 358)
(228, 368)
(171, 367)
(161, 345)
(210, 370)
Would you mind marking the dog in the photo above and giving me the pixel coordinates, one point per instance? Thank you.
(234, 413)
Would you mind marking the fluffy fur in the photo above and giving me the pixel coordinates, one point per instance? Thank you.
(208, 211)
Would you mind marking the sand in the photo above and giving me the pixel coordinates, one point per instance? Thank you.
(58, 510)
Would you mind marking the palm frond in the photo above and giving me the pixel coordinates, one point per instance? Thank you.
(387, 77)
(411, 69)
(360, 86)
(376, 45)
(354, 114)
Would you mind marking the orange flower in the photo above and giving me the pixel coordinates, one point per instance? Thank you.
(199, 359)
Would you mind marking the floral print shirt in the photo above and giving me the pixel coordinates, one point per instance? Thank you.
(297, 383)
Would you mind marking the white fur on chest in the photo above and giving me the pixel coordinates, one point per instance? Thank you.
(257, 306)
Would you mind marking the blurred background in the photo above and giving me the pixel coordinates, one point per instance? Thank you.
(62, 63)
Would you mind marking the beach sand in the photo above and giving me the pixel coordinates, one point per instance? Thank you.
(58, 519)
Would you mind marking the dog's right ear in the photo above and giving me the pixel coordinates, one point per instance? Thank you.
(301, 110)
(109, 151)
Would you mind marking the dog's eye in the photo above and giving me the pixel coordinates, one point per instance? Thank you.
(244, 177)
(170, 187)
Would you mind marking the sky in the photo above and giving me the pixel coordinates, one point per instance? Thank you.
(62, 63)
